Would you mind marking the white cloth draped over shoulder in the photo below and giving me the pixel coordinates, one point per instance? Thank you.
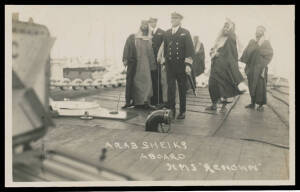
(161, 60)
(221, 39)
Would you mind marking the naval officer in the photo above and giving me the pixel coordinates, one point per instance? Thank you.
(178, 53)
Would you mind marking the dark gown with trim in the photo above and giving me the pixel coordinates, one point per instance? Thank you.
(225, 75)
(257, 59)
(199, 61)
(130, 55)
(198, 65)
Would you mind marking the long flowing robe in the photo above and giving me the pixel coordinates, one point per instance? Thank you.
(225, 75)
(145, 63)
(129, 55)
(257, 57)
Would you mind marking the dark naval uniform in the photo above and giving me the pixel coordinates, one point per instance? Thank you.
(178, 52)
(157, 40)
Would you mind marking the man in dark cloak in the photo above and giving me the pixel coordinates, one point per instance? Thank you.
(224, 75)
(198, 66)
(129, 61)
(139, 50)
(199, 57)
(157, 39)
(257, 55)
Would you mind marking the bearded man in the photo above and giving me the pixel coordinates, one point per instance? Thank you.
(224, 74)
(139, 57)
(257, 55)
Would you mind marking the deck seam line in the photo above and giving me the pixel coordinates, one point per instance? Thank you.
(279, 116)
(226, 115)
(239, 159)
(219, 151)
(191, 157)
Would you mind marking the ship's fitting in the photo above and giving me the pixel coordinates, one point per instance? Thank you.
(159, 121)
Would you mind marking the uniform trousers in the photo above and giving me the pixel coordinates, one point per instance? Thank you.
(156, 85)
(181, 79)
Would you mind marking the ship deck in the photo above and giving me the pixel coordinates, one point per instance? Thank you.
(236, 145)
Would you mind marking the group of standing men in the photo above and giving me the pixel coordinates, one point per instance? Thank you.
(152, 51)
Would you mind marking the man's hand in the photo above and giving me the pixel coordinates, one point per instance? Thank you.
(163, 68)
(161, 60)
(125, 63)
(214, 53)
(211, 52)
(188, 69)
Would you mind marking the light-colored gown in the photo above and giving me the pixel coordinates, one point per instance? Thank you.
(145, 63)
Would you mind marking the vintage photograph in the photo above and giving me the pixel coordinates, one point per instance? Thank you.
(149, 95)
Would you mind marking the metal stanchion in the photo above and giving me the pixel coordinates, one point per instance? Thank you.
(117, 111)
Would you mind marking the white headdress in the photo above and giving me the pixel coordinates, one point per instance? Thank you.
(221, 39)
(139, 34)
(264, 36)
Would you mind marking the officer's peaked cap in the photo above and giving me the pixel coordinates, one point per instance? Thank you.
(152, 20)
(176, 15)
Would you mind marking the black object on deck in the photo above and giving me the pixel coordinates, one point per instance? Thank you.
(156, 120)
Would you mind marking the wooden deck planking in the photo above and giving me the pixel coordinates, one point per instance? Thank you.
(229, 155)
(128, 157)
(194, 104)
(115, 98)
(93, 148)
(193, 144)
(193, 124)
(279, 108)
(207, 152)
(104, 123)
(147, 166)
(196, 124)
(86, 138)
(128, 136)
(274, 163)
(64, 134)
(198, 121)
(212, 150)
(284, 90)
(250, 155)
(287, 162)
(269, 160)
(281, 96)
(253, 125)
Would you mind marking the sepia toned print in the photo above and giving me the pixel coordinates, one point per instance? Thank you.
(149, 95)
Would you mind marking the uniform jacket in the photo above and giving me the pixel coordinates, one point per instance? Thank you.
(177, 48)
